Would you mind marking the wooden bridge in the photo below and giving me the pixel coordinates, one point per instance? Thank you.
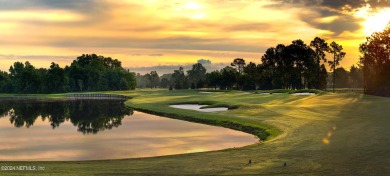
(98, 96)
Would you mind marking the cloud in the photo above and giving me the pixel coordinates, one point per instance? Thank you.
(153, 55)
(327, 15)
(36, 57)
(55, 13)
(181, 43)
(76, 5)
(118, 27)
(39, 61)
(296, 2)
(167, 32)
(204, 61)
(253, 27)
(166, 69)
(156, 55)
(332, 21)
(343, 9)
(337, 4)
(48, 16)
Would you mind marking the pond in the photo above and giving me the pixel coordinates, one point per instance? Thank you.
(69, 130)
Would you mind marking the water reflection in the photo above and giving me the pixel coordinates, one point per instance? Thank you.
(138, 135)
(89, 116)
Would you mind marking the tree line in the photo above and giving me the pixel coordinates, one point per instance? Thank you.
(348, 79)
(295, 66)
(89, 72)
(344, 79)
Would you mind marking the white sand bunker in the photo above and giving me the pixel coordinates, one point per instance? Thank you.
(197, 107)
(303, 93)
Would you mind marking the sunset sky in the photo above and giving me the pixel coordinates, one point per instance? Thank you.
(163, 34)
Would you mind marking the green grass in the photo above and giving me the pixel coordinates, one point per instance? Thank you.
(361, 89)
(306, 91)
(325, 134)
(280, 91)
(274, 91)
(212, 90)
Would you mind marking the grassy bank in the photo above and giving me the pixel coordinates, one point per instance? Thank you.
(324, 134)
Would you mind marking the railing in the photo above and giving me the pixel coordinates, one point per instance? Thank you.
(98, 96)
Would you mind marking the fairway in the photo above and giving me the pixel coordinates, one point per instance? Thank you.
(324, 134)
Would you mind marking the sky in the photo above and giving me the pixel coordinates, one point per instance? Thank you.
(165, 34)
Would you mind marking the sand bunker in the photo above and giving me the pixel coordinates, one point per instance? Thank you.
(207, 92)
(303, 93)
(197, 107)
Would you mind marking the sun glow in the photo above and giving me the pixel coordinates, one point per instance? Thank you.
(192, 10)
(374, 21)
(191, 5)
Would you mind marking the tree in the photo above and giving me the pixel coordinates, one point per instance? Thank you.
(197, 75)
(55, 79)
(356, 75)
(5, 83)
(147, 78)
(25, 78)
(342, 78)
(229, 77)
(269, 65)
(376, 63)
(251, 76)
(179, 80)
(320, 47)
(296, 66)
(87, 72)
(142, 81)
(338, 55)
(154, 79)
(214, 79)
(96, 73)
(164, 82)
(239, 64)
(127, 79)
(298, 51)
(124, 85)
(323, 78)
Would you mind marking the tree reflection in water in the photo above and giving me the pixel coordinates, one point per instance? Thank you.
(90, 116)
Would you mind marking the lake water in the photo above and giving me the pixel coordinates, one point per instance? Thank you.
(63, 130)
